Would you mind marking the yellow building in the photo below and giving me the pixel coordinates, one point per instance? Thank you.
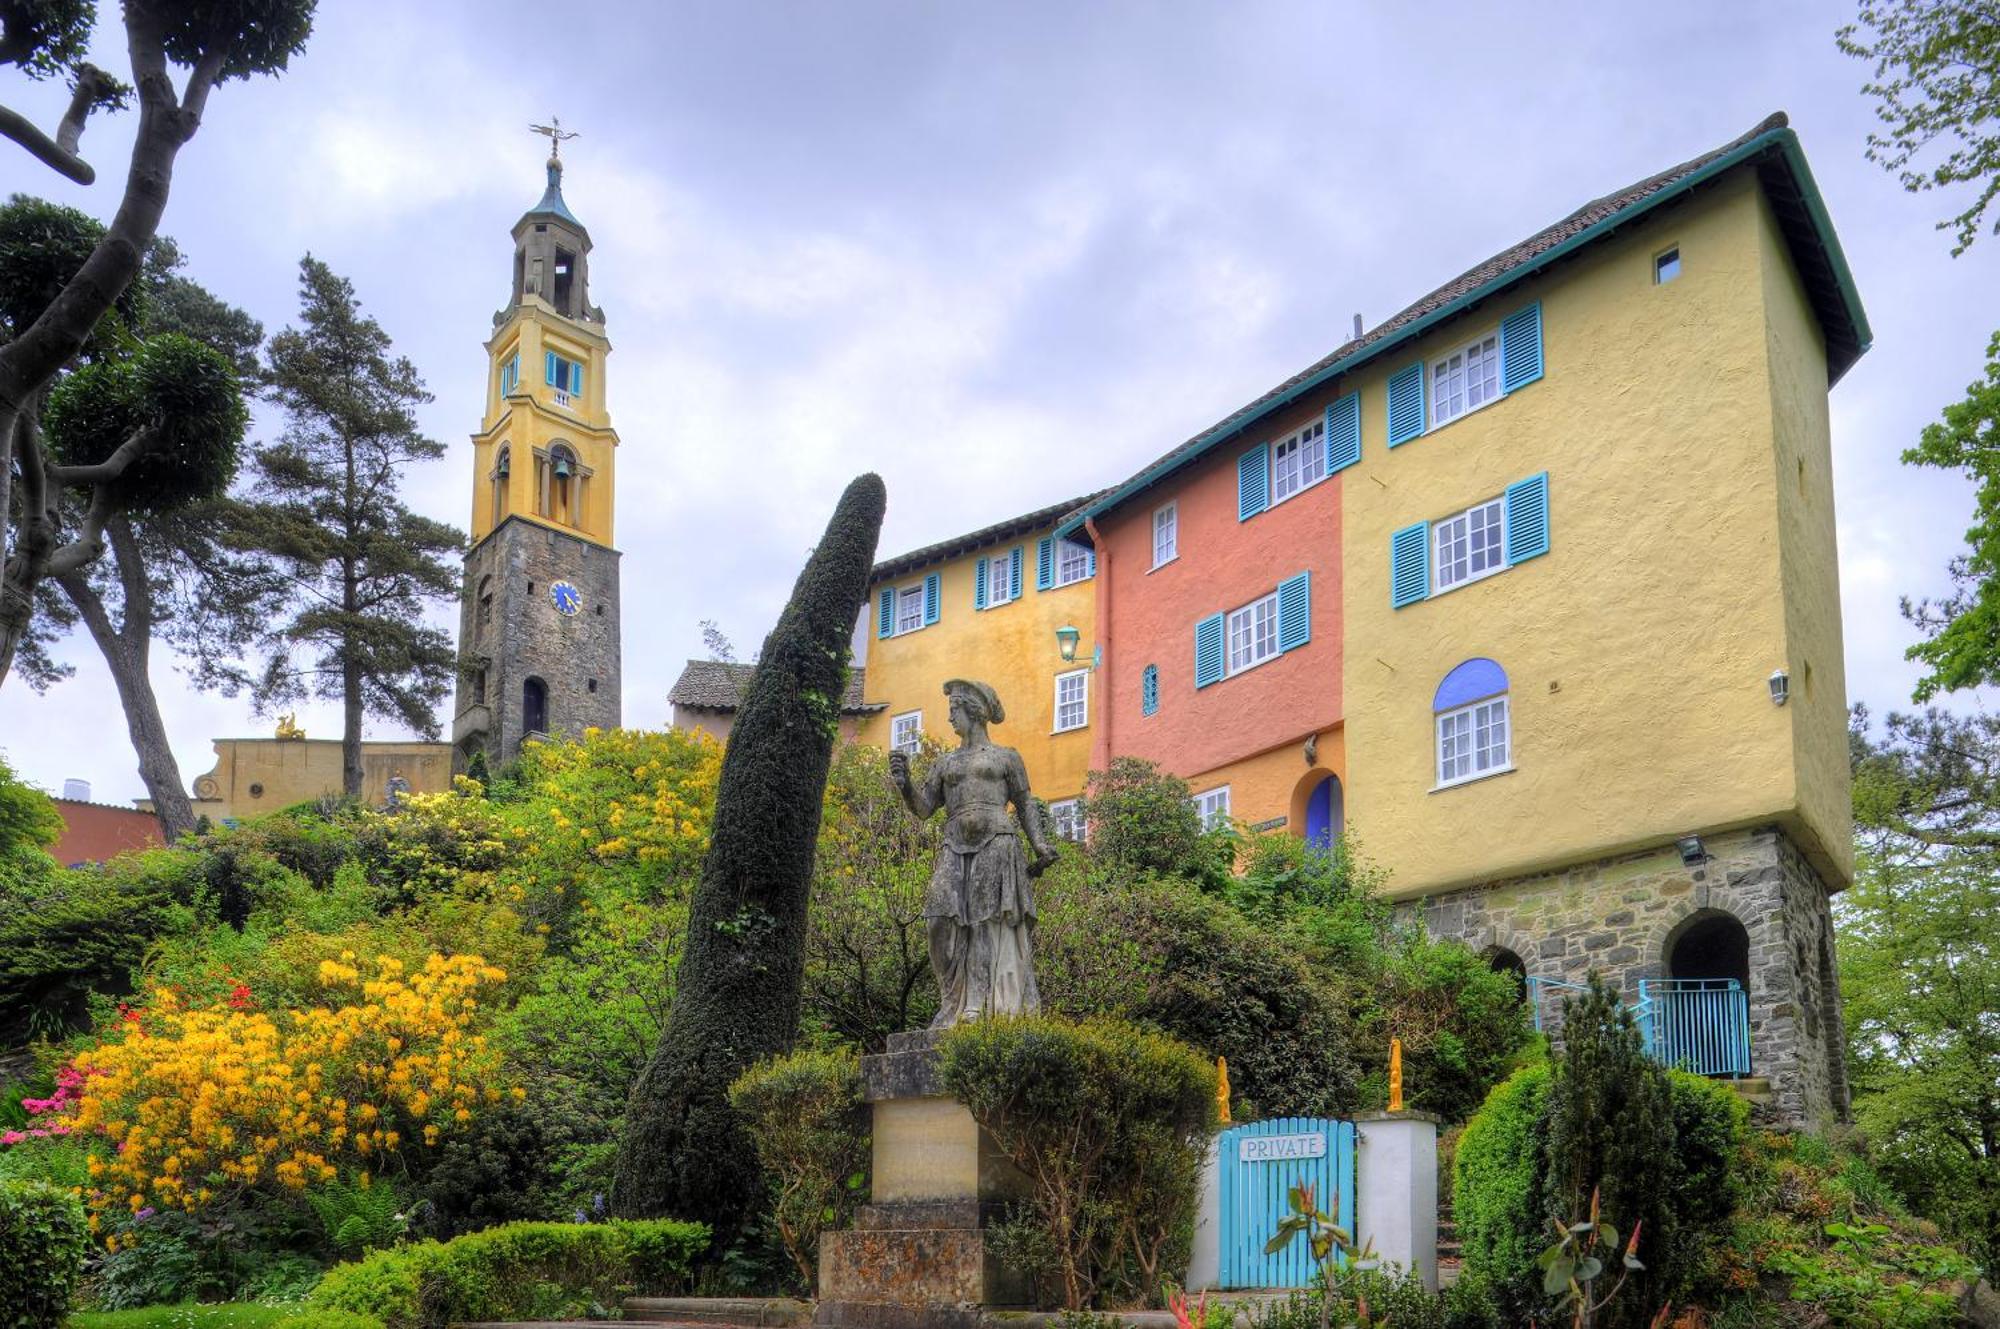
(1532, 588)
(253, 776)
(1010, 606)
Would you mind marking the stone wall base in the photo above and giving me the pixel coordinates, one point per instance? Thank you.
(1624, 917)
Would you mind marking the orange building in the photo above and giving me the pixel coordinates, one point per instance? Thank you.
(93, 832)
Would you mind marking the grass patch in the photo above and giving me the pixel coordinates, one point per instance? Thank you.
(232, 1316)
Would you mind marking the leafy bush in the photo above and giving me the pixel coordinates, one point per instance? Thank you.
(805, 1114)
(1497, 1191)
(520, 1271)
(224, 1317)
(1143, 820)
(42, 1242)
(1110, 1123)
(1168, 956)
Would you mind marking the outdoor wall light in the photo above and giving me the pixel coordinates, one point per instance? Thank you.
(1781, 687)
(1693, 852)
(1066, 639)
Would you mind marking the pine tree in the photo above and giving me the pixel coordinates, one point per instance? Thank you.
(684, 1151)
(1611, 1132)
(363, 566)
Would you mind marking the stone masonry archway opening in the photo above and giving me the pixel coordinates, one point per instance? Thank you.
(1504, 961)
(1711, 944)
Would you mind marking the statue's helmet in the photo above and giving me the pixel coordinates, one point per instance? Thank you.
(988, 699)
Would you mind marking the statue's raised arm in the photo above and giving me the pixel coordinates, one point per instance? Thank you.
(979, 906)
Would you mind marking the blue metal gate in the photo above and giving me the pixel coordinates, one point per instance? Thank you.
(1699, 1024)
(1258, 1165)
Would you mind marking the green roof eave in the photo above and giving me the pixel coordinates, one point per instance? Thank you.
(1781, 139)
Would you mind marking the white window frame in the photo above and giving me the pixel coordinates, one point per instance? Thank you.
(1072, 563)
(903, 593)
(1462, 723)
(1496, 521)
(1171, 512)
(1081, 704)
(1670, 255)
(1248, 616)
(1212, 806)
(1489, 356)
(911, 743)
(1066, 819)
(1000, 580)
(1308, 445)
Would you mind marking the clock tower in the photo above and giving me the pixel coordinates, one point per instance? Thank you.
(538, 621)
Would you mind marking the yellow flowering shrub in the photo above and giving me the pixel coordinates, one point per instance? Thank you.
(201, 1103)
(636, 795)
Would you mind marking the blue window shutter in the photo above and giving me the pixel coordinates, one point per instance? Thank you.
(1521, 347)
(1343, 433)
(1406, 403)
(1528, 518)
(1253, 482)
(1149, 690)
(979, 584)
(1295, 611)
(1410, 565)
(1093, 563)
(1045, 563)
(1014, 577)
(930, 599)
(1208, 651)
(885, 617)
(549, 365)
(576, 377)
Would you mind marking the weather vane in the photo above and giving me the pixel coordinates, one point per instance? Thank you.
(555, 133)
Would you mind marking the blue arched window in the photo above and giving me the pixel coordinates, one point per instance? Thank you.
(1474, 737)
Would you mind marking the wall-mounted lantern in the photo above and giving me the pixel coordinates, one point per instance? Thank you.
(1066, 639)
(1781, 687)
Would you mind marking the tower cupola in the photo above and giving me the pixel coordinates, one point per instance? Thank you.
(552, 254)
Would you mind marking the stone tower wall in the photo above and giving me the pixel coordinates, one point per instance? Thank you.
(576, 657)
(1621, 917)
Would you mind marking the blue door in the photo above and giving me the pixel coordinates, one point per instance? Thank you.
(1258, 1166)
(1323, 813)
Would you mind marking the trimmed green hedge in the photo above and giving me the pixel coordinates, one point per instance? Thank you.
(225, 1317)
(43, 1237)
(1497, 1189)
(547, 1271)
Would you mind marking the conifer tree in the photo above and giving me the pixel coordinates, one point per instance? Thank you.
(362, 566)
(685, 1152)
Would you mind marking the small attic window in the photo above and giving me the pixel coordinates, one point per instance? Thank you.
(1666, 266)
(541, 226)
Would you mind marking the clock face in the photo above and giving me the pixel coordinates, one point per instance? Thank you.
(567, 598)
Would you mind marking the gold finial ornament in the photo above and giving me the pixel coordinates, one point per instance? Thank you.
(288, 726)
(1395, 1075)
(1222, 1090)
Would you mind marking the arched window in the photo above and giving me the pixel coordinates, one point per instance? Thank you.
(1149, 690)
(1503, 961)
(559, 485)
(534, 706)
(485, 601)
(1473, 733)
(503, 466)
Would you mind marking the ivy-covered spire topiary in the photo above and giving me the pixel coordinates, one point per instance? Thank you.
(685, 1152)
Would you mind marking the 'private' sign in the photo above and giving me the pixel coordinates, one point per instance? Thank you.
(1280, 1148)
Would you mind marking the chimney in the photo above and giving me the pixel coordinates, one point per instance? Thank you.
(76, 791)
(1357, 327)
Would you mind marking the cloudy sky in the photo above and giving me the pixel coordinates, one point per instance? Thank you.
(1001, 254)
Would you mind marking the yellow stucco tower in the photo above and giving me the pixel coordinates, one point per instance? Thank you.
(539, 624)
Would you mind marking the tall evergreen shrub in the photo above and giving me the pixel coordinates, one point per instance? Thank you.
(685, 1151)
(42, 1243)
(1497, 1185)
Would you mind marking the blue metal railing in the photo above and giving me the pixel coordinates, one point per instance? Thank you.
(1698, 1024)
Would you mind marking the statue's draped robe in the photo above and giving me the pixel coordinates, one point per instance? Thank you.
(979, 905)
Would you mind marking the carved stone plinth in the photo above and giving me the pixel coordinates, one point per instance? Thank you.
(919, 1253)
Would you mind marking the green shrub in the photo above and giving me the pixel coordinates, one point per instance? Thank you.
(520, 1271)
(1110, 1123)
(1143, 820)
(1497, 1191)
(224, 1317)
(42, 1242)
(805, 1115)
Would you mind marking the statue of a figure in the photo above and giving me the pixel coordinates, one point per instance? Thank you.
(979, 908)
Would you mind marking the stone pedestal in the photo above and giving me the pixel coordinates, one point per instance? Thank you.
(1395, 1190)
(918, 1255)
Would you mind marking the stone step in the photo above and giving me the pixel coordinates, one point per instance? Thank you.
(751, 1312)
